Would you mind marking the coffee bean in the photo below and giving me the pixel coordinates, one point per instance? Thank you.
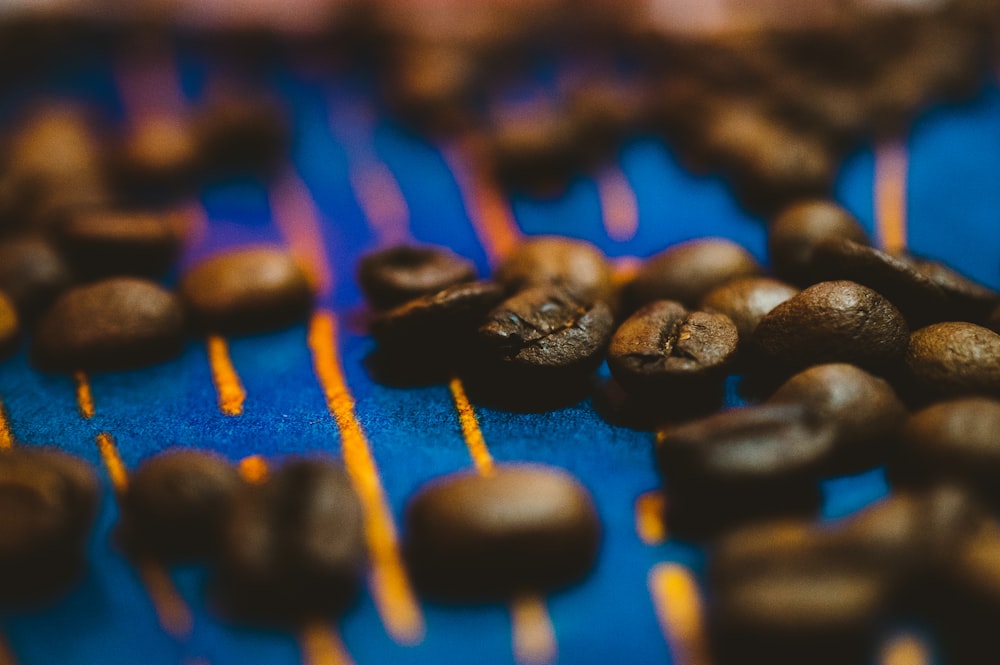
(953, 358)
(485, 537)
(55, 146)
(832, 322)
(255, 289)
(33, 273)
(966, 300)
(294, 548)
(746, 300)
(113, 324)
(968, 608)
(532, 149)
(177, 505)
(10, 325)
(430, 87)
(394, 276)
(993, 322)
(863, 410)
(742, 465)
(157, 158)
(576, 266)
(48, 501)
(793, 235)
(103, 243)
(665, 348)
(954, 440)
(241, 135)
(687, 272)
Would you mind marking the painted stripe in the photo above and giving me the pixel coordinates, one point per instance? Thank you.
(474, 440)
(228, 386)
(391, 589)
(891, 166)
(6, 437)
(649, 517)
(905, 649)
(533, 635)
(619, 208)
(84, 398)
(378, 194)
(171, 610)
(253, 469)
(112, 462)
(678, 606)
(321, 645)
(298, 220)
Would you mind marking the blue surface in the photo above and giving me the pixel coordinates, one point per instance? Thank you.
(954, 205)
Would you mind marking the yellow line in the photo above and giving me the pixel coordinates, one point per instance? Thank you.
(534, 637)
(84, 399)
(649, 524)
(171, 610)
(253, 469)
(6, 437)
(470, 429)
(619, 208)
(379, 196)
(227, 382)
(321, 645)
(678, 608)
(905, 649)
(391, 587)
(297, 217)
(890, 194)
(112, 462)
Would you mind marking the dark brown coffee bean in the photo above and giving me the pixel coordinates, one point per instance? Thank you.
(953, 440)
(993, 323)
(576, 266)
(966, 612)
(241, 135)
(255, 289)
(177, 505)
(394, 276)
(158, 156)
(953, 358)
(430, 87)
(663, 348)
(114, 324)
(743, 465)
(294, 548)
(33, 273)
(832, 322)
(103, 243)
(56, 146)
(10, 325)
(746, 300)
(533, 149)
(48, 501)
(863, 410)
(485, 537)
(793, 235)
(965, 299)
(687, 272)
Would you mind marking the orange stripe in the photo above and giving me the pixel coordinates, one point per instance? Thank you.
(112, 462)
(379, 196)
(321, 645)
(890, 195)
(905, 649)
(474, 440)
(619, 208)
(485, 205)
(148, 83)
(253, 469)
(227, 382)
(649, 523)
(171, 610)
(6, 438)
(678, 607)
(297, 218)
(84, 399)
(533, 634)
(6, 654)
(391, 588)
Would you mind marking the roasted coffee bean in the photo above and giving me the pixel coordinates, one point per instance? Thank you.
(576, 266)
(955, 440)
(394, 276)
(966, 612)
(543, 342)
(665, 348)
(965, 298)
(430, 87)
(832, 322)
(993, 323)
(33, 273)
(794, 234)
(951, 359)
(863, 410)
(103, 243)
(485, 537)
(177, 505)
(48, 501)
(742, 465)
(687, 272)
(533, 149)
(158, 157)
(56, 146)
(746, 300)
(10, 325)
(294, 548)
(253, 289)
(241, 136)
(113, 324)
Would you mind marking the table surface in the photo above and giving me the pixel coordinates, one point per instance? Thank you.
(323, 208)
